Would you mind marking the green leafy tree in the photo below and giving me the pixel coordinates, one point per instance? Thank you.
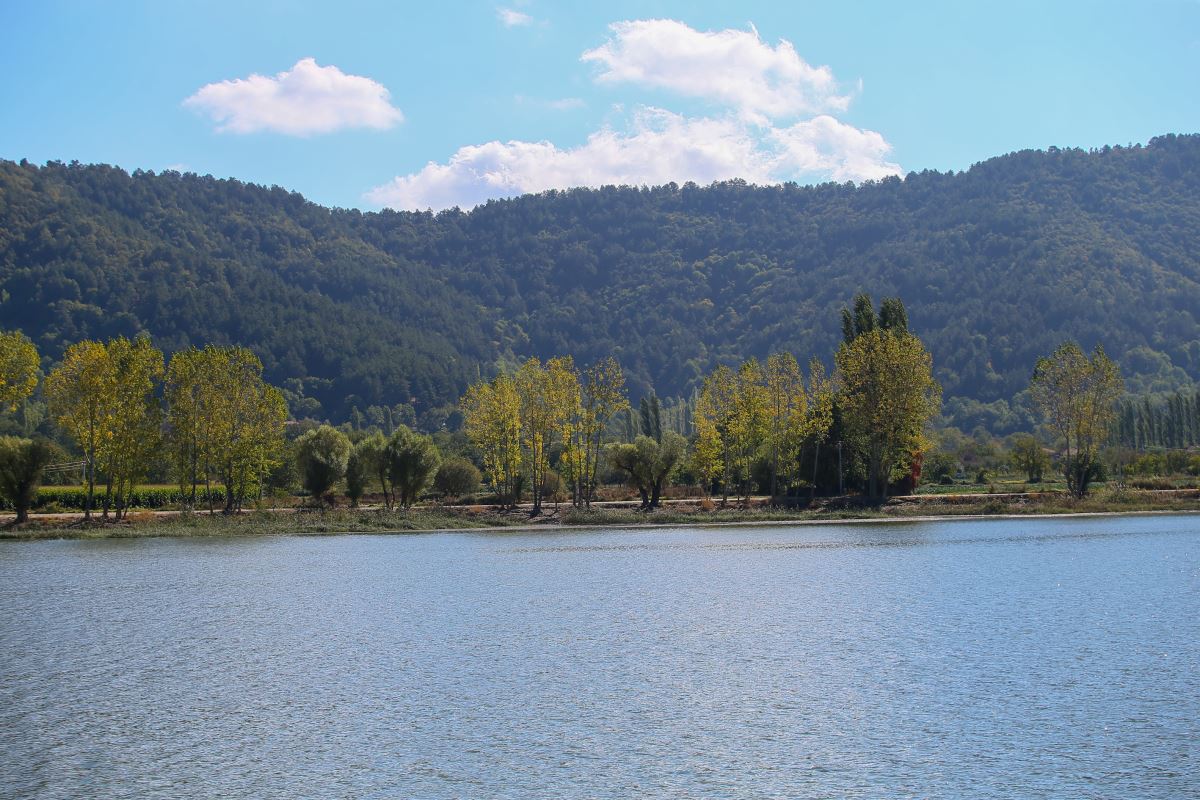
(649, 463)
(359, 470)
(372, 452)
(21, 465)
(413, 461)
(322, 455)
(1028, 457)
(1077, 397)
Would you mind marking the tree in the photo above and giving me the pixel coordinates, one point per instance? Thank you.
(190, 423)
(371, 452)
(1077, 397)
(135, 421)
(81, 394)
(456, 477)
(602, 398)
(412, 460)
(224, 422)
(548, 396)
(715, 420)
(21, 465)
(820, 413)
(1029, 457)
(787, 414)
(649, 463)
(492, 419)
(18, 369)
(748, 426)
(359, 470)
(892, 316)
(322, 455)
(887, 396)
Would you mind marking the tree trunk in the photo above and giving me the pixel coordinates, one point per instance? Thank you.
(812, 493)
(774, 475)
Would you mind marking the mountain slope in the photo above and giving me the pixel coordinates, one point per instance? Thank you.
(996, 264)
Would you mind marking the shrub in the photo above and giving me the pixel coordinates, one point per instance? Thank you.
(456, 477)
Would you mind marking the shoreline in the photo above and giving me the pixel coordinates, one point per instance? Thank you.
(251, 524)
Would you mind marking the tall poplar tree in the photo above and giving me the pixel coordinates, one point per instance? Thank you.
(18, 369)
(887, 395)
(81, 393)
(492, 420)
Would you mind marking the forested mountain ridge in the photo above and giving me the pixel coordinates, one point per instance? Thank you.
(997, 265)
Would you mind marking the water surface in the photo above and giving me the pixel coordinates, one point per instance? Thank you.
(1026, 658)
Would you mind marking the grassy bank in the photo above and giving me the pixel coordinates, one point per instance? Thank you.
(146, 524)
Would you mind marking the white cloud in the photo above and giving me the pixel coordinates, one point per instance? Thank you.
(774, 125)
(659, 147)
(512, 18)
(826, 146)
(305, 100)
(734, 68)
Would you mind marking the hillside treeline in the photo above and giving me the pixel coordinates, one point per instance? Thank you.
(353, 310)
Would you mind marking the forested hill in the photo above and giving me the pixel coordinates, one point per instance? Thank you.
(997, 265)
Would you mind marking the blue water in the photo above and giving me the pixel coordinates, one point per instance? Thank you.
(1015, 659)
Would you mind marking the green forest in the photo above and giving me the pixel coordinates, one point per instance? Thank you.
(394, 314)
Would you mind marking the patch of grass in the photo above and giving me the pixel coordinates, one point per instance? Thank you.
(329, 522)
(254, 523)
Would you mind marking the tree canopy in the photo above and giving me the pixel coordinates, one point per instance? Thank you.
(399, 310)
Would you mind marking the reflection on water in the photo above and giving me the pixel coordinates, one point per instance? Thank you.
(1009, 658)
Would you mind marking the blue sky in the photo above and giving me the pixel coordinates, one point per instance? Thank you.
(436, 104)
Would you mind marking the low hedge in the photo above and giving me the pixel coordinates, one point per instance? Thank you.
(73, 498)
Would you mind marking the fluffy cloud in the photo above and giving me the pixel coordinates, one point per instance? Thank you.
(305, 100)
(734, 68)
(511, 18)
(775, 124)
(658, 147)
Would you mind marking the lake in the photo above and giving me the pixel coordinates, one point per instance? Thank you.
(984, 658)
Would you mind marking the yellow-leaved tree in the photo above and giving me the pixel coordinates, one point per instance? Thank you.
(603, 397)
(135, 421)
(887, 395)
(225, 423)
(81, 393)
(1078, 398)
(492, 420)
(18, 369)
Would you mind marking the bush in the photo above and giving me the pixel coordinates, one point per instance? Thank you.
(456, 477)
(21, 464)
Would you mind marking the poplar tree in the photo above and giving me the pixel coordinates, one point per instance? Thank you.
(18, 369)
(787, 414)
(81, 394)
(716, 411)
(492, 420)
(887, 395)
(135, 422)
